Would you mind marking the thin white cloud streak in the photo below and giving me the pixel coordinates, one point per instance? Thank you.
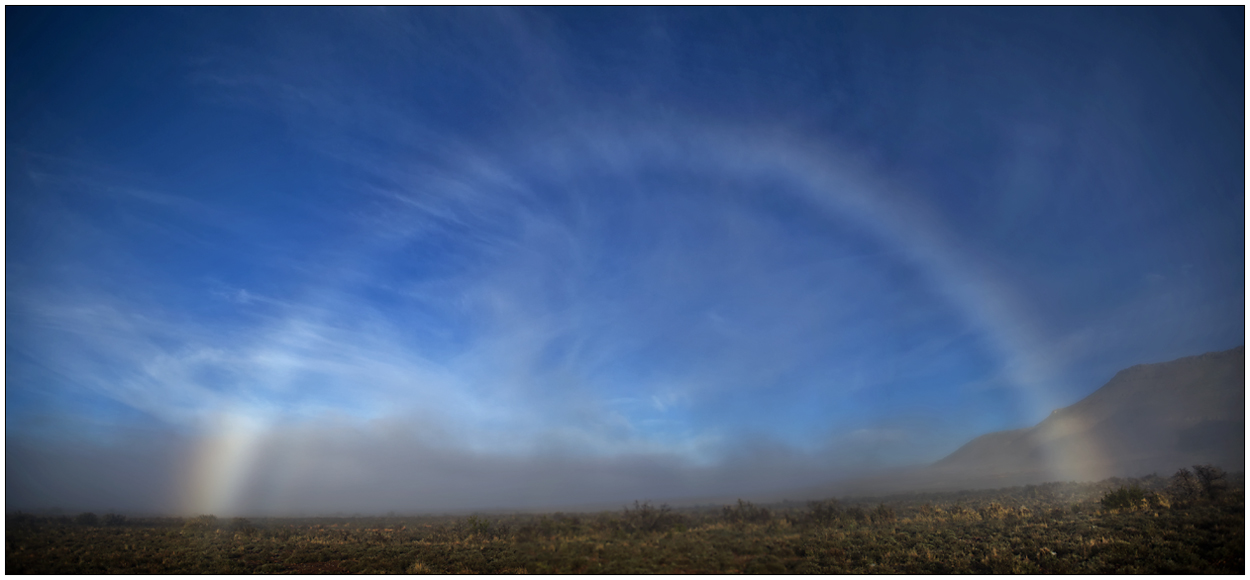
(162, 365)
(494, 398)
(532, 341)
(307, 363)
(521, 308)
(541, 368)
(847, 193)
(420, 44)
(827, 178)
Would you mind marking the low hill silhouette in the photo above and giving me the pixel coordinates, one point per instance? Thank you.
(1149, 418)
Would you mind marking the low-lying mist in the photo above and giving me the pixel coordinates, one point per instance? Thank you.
(346, 469)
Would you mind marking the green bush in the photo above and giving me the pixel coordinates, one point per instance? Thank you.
(21, 520)
(1158, 501)
(1124, 498)
(242, 526)
(882, 514)
(926, 512)
(746, 513)
(1213, 480)
(858, 515)
(1184, 488)
(994, 511)
(479, 526)
(204, 522)
(823, 513)
(646, 518)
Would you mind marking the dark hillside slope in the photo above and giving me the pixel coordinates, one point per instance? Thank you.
(1148, 418)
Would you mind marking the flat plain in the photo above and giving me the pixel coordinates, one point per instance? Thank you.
(1141, 526)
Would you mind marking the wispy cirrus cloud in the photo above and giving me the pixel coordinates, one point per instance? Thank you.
(497, 240)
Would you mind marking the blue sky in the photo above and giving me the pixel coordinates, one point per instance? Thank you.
(309, 260)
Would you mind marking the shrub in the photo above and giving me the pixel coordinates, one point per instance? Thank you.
(646, 518)
(87, 519)
(204, 522)
(858, 514)
(926, 512)
(1213, 481)
(746, 512)
(883, 513)
(1124, 498)
(766, 564)
(114, 520)
(242, 526)
(824, 513)
(21, 520)
(1184, 487)
(994, 511)
(479, 526)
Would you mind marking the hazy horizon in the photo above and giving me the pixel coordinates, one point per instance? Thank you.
(358, 260)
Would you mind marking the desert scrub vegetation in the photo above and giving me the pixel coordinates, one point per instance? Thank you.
(1050, 528)
(1124, 498)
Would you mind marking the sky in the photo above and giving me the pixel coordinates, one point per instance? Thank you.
(357, 260)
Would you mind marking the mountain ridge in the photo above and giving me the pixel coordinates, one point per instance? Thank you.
(1148, 417)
